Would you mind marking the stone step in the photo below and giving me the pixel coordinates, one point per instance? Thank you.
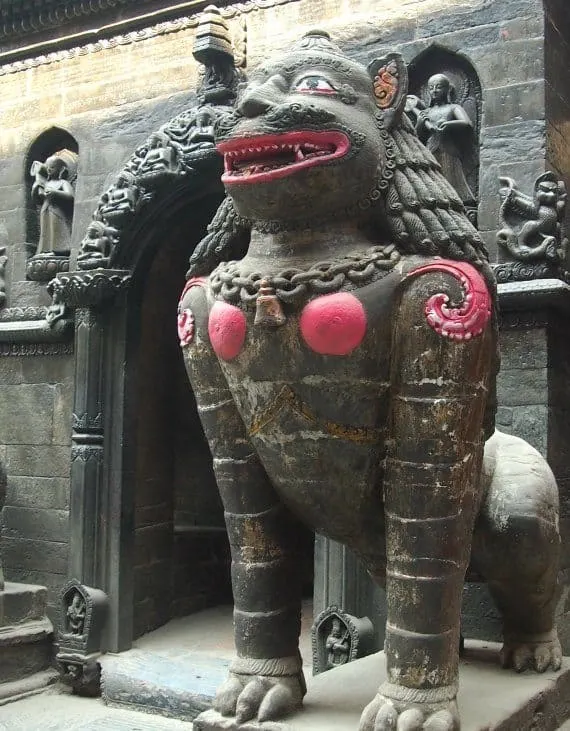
(25, 636)
(178, 687)
(21, 603)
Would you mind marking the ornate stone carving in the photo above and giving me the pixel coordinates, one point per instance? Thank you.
(41, 17)
(87, 453)
(16, 314)
(53, 191)
(339, 638)
(19, 349)
(181, 150)
(88, 289)
(532, 240)
(358, 394)
(82, 621)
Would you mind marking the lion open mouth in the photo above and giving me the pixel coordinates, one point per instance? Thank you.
(267, 157)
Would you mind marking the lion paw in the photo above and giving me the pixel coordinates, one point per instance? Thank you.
(534, 652)
(385, 714)
(259, 697)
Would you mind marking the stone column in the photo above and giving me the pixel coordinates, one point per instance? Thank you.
(90, 293)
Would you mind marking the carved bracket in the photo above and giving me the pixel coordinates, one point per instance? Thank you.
(89, 288)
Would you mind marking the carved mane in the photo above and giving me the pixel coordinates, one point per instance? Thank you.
(419, 208)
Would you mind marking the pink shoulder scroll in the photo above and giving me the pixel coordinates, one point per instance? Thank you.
(470, 317)
(186, 316)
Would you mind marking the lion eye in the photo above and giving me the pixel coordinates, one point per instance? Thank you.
(314, 85)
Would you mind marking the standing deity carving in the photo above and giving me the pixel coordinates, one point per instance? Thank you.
(53, 190)
(447, 131)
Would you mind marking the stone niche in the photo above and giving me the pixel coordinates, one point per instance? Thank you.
(51, 174)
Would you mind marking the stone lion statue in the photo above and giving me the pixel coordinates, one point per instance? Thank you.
(343, 354)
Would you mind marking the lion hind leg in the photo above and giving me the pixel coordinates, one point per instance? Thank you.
(516, 548)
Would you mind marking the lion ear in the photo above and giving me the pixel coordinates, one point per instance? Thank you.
(390, 78)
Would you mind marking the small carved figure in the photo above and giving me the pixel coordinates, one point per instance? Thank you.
(120, 200)
(533, 227)
(97, 245)
(338, 644)
(76, 613)
(162, 160)
(362, 406)
(447, 131)
(53, 191)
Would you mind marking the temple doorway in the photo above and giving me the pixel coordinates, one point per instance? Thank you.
(181, 556)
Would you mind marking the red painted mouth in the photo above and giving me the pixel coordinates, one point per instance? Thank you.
(268, 157)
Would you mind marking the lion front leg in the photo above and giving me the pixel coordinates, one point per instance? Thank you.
(431, 494)
(266, 679)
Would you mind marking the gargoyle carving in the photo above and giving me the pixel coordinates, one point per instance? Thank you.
(533, 227)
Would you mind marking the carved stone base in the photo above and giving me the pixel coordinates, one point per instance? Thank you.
(44, 267)
(512, 701)
(25, 635)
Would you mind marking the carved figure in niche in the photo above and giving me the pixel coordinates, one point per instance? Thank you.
(76, 613)
(120, 200)
(533, 227)
(97, 245)
(338, 644)
(53, 191)
(362, 402)
(447, 131)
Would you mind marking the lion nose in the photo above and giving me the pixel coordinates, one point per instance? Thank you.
(260, 99)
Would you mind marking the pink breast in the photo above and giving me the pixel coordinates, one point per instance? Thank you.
(226, 328)
(334, 324)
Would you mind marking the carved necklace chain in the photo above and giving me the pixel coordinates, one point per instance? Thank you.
(292, 286)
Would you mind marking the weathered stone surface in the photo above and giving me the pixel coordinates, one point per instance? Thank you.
(514, 103)
(48, 556)
(21, 402)
(522, 387)
(510, 143)
(524, 349)
(40, 461)
(512, 702)
(181, 687)
(25, 632)
(36, 524)
(509, 63)
(477, 14)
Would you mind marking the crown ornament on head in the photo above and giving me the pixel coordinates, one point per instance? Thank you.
(317, 40)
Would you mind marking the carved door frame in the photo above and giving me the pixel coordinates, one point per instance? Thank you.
(102, 486)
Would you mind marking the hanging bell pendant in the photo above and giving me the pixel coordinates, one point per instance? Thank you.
(268, 310)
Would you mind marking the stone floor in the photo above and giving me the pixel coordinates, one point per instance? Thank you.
(206, 635)
(56, 711)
